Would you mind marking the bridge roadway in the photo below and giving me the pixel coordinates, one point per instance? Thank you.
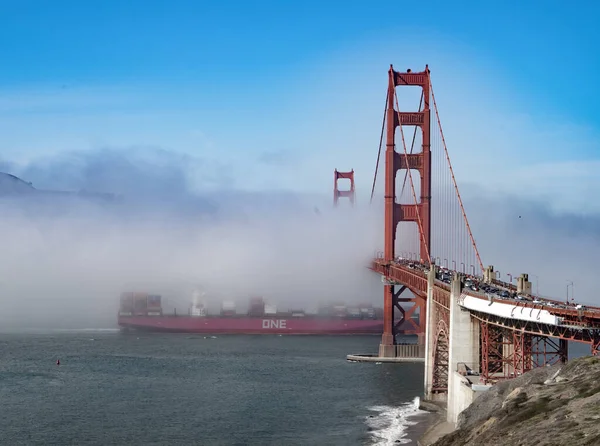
(546, 317)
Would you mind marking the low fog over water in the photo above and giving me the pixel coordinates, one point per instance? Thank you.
(65, 258)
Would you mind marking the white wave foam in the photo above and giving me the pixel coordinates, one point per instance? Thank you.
(390, 423)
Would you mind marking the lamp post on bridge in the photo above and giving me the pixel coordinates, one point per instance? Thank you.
(473, 269)
(437, 261)
(498, 275)
(446, 262)
(453, 265)
(463, 268)
(570, 284)
(510, 277)
(537, 288)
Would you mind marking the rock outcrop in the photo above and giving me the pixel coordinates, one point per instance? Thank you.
(548, 406)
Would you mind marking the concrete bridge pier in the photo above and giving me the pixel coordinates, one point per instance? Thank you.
(463, 355)
(452, 368)
(430, 332)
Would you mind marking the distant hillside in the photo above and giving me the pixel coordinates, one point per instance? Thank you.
(12, 186)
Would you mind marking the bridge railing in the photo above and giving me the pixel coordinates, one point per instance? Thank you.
(505, 285)
(414, 276)
(406, 350)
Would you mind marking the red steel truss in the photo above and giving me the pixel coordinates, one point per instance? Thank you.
(507, 353)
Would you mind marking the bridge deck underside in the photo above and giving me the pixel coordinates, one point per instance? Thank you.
(579, 334)
(508, 347)
(416, 282)
(507, 353)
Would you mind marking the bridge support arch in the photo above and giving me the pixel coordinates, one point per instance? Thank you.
(434, 313)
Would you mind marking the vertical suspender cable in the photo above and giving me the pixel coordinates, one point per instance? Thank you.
(462, 208)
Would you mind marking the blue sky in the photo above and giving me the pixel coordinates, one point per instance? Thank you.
(272, 96)
(280, 93)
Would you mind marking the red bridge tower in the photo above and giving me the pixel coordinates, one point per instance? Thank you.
(343, 193)
(419, 213)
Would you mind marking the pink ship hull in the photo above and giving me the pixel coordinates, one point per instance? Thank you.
(252, 325)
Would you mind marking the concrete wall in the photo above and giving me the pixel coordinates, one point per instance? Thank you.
(460, 396)
(429, 333)
(464, 339)
(464, 332)
(464, 349)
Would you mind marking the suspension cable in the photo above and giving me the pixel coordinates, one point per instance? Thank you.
(412, 185)
(380, 145)
(462, 208)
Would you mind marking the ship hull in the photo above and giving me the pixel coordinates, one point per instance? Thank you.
(251, 325)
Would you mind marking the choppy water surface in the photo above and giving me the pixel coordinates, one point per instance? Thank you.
(157, 389)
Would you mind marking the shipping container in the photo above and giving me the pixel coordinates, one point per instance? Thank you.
(140, 303)
(126, 302)
(228, 305)
(324, 310)
(198, 310)
(154, 301)
(354, 312)
(256, 312)
(270, 310)
(339, 310)
(368, 314)
(312, 310)
(256, 307)
(228, 308)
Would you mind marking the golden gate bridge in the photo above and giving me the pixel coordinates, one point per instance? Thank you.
(430, 262)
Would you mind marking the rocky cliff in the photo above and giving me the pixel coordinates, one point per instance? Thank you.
(548, 406)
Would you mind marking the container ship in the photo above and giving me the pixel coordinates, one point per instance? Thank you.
(143, 312)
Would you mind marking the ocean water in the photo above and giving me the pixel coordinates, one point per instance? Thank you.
(156, 389)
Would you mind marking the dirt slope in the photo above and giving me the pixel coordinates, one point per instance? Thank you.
(549, 406)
